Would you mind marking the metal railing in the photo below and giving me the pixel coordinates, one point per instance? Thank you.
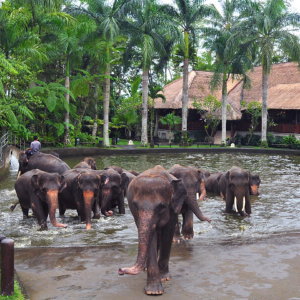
(10, 139)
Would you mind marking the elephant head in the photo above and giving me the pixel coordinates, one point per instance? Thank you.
(91, 162)
(89, 185)
(47, 186)
(254, 184)
(112, 193)
(154, 197)
(193, 181)
(238, 190)
(23, 161)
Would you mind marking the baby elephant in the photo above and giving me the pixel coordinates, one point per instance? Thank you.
(39, 191)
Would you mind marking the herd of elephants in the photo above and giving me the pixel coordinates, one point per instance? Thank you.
(155, 197)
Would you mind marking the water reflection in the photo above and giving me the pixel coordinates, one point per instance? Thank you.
(274, 211)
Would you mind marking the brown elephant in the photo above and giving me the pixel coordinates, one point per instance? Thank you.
(212, 183)
(234, 185)
(194, 183)
(155, 198)
(39, 191)
(82, 193)
(254, 184)
(87, 163)
(42, 161)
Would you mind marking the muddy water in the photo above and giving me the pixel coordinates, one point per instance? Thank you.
(275, 211)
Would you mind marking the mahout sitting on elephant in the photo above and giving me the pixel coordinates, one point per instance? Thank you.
(234, 186)
(42, 161)
(82, 193)
(212, 183)
(194, 183)
(39, 191)
(155, 198)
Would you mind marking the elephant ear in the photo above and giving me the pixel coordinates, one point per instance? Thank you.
(63, 183)
(125, 181)
(227, 175)
(179, 194)
(34, 182)
(200, 179)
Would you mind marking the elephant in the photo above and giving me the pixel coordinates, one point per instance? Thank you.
(113, 193)
(234, 185)
(155, 198)
(212, 183)
(134, 172)
(193, 181)
(129, 174)
(82, 193)
(87, 163)
(39, 191)
(254, 184)
(42, 161)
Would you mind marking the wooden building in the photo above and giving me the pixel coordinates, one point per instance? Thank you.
(283, 99)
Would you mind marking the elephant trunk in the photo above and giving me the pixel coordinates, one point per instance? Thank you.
(106, 199)
(254, 190)
(203, 191)
(146, 229)
(88, 197)
(193, 204)
(52, 200)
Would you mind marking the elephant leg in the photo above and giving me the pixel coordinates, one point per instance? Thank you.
(229, 201)
(39, 214)
(121, 203)
(96, 210)
(165, 248)
(25, 212)
(154, 285)
(187, 226)
(61, 208)
(176, 237)
(248, 206)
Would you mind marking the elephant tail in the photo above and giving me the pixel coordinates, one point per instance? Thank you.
(13, 206)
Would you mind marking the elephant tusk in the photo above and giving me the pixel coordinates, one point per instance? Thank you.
(244, 203)
(197, 196)
(19, 174)
(235, 204)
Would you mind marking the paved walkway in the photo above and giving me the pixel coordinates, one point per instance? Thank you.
(263, 270)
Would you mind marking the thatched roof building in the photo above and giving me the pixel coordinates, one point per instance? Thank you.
(284, 90)
(198, 82)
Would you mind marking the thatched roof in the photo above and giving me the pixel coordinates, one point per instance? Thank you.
(198, 82)
(283, 92)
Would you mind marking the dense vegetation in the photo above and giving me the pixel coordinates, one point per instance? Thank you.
(91, 68)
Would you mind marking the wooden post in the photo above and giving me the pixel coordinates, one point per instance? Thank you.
(7, 267)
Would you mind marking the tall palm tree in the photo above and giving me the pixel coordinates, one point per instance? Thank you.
(108, 18)
(187, 14)
(269, 25)
(144, 33)
(229, 62)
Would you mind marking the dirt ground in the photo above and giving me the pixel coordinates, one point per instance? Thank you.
(266, 269)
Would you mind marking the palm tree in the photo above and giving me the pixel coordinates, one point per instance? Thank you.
(144, 33)
(187, 16)
(108, 19)
(269, 26)
(229, 62)
(170, 120)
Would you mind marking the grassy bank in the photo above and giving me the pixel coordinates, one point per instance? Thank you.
(18, 293)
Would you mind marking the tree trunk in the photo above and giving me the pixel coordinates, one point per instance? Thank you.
(95, 125)
(106, 91)
(144, 139)
(86, 103)
(67, 115)
(185, 100)
(224, 107)
(264, 113)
